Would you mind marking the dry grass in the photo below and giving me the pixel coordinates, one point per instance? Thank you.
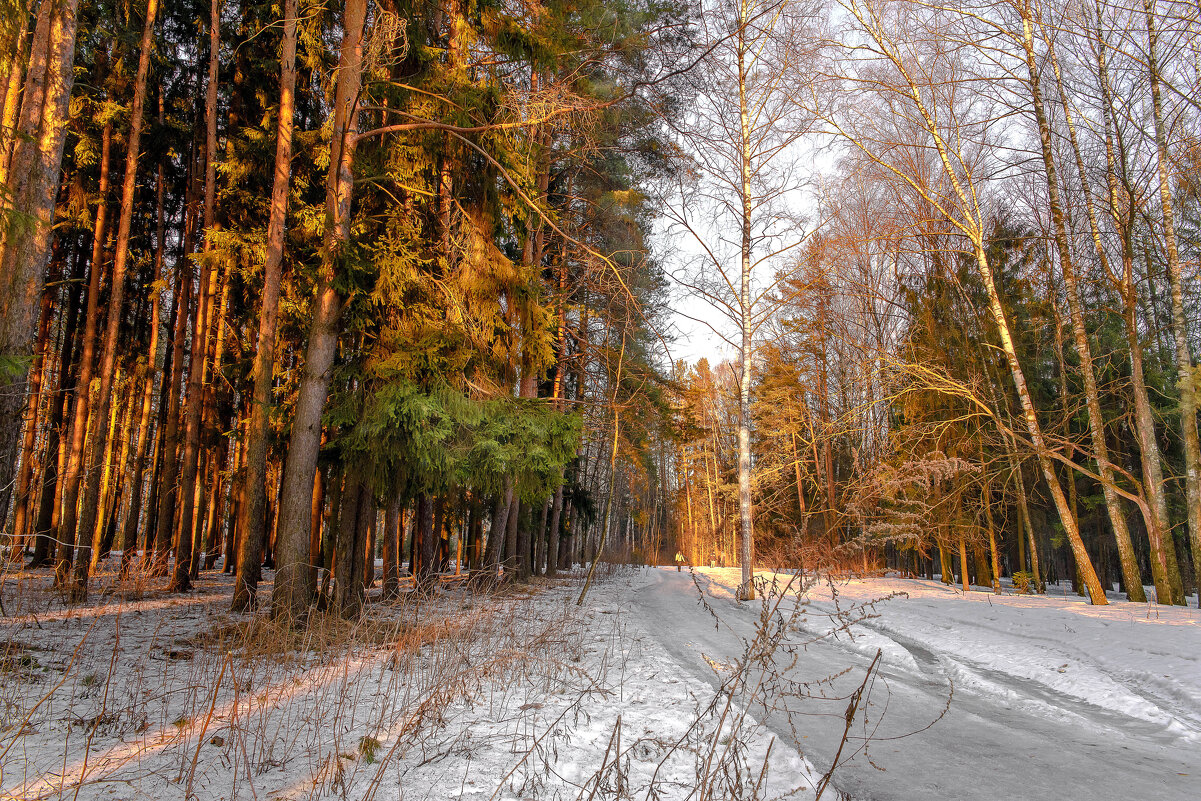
(145, 687)
(144, 694)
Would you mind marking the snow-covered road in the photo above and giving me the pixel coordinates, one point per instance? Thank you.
(1049, 697)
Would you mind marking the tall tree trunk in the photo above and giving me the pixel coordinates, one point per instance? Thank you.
(14, 57)
(746, 590)
(31, 183)
(55, 458)
(166, 483)
(89, 533)
(67, 524)
(114, 493)
(181, 577)
(1186, 382)
(24, 498)
(295, 579)
(129, 534)
(1096, 420)
(305, 441)
(217, 452)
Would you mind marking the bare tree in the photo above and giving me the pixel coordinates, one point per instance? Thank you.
(919, 68)
(741, 138)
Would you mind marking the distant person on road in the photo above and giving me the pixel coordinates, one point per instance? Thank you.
(679, 560)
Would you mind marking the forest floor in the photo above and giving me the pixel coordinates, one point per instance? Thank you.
(514, 694)
(660, 682)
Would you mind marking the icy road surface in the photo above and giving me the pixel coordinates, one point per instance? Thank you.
(1048, 697)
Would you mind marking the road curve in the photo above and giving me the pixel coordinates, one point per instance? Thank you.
(1021, 742)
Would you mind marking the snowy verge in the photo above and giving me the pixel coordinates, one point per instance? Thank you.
(514, 695)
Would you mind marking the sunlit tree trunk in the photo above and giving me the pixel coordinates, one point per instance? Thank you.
(24, 498)
(746, 589)
(305, 441)
(1186, 381)
(90, 534)
(68, 520)
(181, 577)
(291, 568)
(14, 55)
(129, 534)
(31, 183)
(1096, 420)
(55, 456)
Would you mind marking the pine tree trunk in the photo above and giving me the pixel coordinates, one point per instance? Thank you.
(512, 524)
(115, 494)
(540, 537)
(24, 498)
(305, 442)
(328, 541)
(215, 454)
(148, 371)
(556, 516)
(295, 581)
(391, 549)
(345, 595)
(424, 545)
(493, 552)
(31, 184)
(14, 57)
(68, 520)
(525, 540)
(166, 482)
(55, 458)
(89, 533)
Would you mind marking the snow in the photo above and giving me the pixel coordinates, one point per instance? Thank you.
(521, 694)
(660, 683)
(982, 696)
(1139, 660)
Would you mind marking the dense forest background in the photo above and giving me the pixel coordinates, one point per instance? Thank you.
(304, 284)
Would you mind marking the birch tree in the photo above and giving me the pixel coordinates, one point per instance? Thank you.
(919, 70)
(741, 139)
